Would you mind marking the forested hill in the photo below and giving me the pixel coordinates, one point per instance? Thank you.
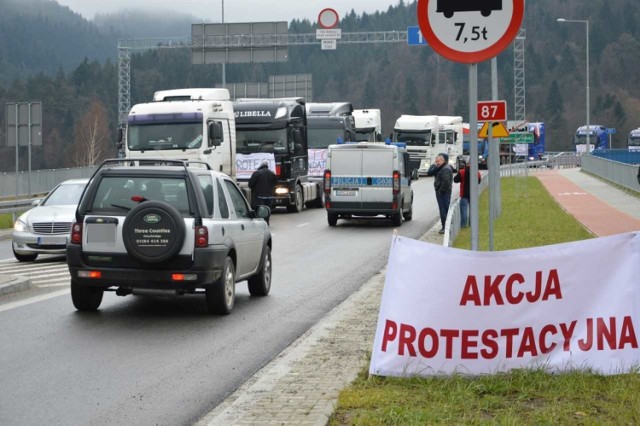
(394, 77)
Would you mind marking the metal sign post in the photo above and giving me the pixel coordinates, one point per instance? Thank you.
(469, 33)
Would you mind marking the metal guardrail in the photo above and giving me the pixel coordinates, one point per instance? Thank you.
(14, 206)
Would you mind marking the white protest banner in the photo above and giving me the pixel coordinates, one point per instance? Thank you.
(317, 162)
(246, 164)
(561, 307)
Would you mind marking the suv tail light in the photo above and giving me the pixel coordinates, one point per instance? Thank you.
(76, 233)
(202, 236)
(396, 183)
(327, 181)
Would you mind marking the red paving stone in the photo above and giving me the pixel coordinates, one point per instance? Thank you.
(598, 217)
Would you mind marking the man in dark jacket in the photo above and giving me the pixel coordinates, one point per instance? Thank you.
(442, 183)
(262, 183)
(464, 178)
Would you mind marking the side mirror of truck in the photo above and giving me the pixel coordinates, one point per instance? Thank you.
(119, 135)
(414, 174)
(215, 134)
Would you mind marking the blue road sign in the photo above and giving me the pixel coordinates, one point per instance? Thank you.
(414, 37)
(610, 131)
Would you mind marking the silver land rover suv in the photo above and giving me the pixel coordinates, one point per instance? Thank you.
(163, 226)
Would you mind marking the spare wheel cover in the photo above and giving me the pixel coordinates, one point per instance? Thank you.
(153, 231)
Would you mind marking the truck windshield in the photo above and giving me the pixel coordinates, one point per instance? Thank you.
(414, 138)
(322, 138)
(582, 139)
(366, 135)
(634, 140)
(271, 141)
(446, 137)
(164, 136)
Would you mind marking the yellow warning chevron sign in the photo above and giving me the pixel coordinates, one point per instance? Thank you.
(498, 130)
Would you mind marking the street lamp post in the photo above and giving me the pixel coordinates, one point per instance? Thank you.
(586, 23)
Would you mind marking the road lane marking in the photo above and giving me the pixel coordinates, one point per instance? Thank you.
(35, 299)
(302, 224)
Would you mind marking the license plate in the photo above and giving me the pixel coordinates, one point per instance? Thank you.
(52, 241)
(345, 193)
(101, 233)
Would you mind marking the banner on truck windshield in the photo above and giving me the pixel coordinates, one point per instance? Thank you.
(561, 307)
(246, 164)
(317, 162)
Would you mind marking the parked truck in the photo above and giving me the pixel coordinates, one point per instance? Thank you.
(519, 152)
(483, 146)
(419, 133)
(186, 124)
(450, 138)
(633, 143)
(276, 130)
(328, 123)
(368, 125)
(598, 138)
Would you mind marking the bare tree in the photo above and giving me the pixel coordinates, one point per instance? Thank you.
(91, 136)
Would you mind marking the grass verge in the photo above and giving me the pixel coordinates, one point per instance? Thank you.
(530, 217)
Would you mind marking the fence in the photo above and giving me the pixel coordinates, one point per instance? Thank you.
(42, 181)
(616, 172)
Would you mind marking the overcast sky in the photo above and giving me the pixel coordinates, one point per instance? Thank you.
(234, 10)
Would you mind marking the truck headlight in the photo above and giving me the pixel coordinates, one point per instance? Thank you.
(282, 190)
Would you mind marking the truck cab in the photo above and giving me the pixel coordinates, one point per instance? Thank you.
(419, 133)
(368, 179)
(368, 125)
(276, 130)
(450, 138)
(184, 124)
(633, 143)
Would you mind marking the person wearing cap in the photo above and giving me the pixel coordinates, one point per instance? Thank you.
(262, 183)
(464, 178)
(442, 183)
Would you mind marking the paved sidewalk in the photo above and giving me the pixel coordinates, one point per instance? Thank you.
(301, 386)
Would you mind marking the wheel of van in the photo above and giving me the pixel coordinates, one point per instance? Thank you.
(397, 218)
(298, 202)
(153, 231)
(25, 257)
(221, 296)
(332, 218)
(85, 298)
(260, 284)
(408, 215)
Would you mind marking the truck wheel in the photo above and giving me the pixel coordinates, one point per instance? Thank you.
(332, 218)
(260, 284)
(448, 13)
(221, 296)
(85, 298)
(298, 202)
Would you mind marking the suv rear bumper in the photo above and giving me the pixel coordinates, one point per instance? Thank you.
(207, 268)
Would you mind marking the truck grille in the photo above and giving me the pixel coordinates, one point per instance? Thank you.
(51, 227)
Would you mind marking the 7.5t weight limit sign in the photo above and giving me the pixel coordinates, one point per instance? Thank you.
(469, 31)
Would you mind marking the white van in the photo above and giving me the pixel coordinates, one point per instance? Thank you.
(368, 179)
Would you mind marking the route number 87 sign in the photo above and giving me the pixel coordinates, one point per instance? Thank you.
(469, 31)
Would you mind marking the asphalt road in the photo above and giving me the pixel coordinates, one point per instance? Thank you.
(150, 360)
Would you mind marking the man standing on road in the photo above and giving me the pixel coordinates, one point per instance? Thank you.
(442, 183)
(262, 184)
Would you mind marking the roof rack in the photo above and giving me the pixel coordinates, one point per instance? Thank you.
(157, 162)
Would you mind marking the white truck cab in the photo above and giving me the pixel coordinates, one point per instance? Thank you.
(184, 124)
(419, 133)
(368, 179)
(368, 125)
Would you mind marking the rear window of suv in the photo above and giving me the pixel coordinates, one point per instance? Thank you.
(114, 193)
